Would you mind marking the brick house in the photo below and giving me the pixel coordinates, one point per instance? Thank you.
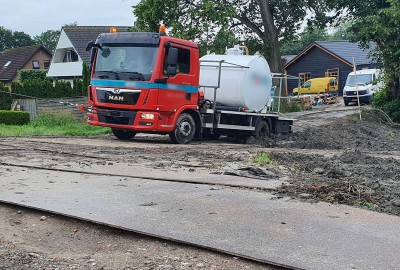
(29, 57)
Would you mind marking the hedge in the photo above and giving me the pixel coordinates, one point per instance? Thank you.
(5, 98)
(14, 118)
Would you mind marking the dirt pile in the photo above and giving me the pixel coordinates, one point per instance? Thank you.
(344, 134)
(353, 178)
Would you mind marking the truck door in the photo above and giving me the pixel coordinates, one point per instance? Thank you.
(179, 89)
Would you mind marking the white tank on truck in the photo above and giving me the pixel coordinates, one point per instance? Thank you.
(246, 80)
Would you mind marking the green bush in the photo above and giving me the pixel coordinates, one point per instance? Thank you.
(381, 98)
(45, 89)
(5, 98)
(287, 106)
(392, 108)
(14, 118)
(32, 74)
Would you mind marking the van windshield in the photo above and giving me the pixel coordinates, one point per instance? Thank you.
(361, 79)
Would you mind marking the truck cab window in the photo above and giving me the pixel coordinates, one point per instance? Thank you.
(183, 65)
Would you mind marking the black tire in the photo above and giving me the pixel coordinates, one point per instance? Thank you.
(185, 129)
(263, 130)
(123, 134)
(346, 102)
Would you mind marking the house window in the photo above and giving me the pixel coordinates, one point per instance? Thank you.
(304, 77)
(35, 64)
(46, 64)
(332, 73)
(70, 56)
(7, 64)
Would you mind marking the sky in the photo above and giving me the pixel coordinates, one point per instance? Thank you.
(36, 16)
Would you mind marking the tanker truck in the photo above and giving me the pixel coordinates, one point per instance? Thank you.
(155, 83)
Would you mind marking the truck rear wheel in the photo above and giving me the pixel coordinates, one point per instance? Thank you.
(185, 129)
(123, 134)
(262, 130)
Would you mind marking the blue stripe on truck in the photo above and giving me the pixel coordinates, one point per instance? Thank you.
(144, 85)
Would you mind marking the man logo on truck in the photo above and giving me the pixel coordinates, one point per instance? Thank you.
(116, 98)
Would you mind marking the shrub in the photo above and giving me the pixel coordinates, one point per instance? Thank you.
(392, 108)
(32, 74)
(287, 106)
(14, 118)
(381, 98)
(5, 98)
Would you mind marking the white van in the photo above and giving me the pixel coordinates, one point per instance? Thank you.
(368, 82)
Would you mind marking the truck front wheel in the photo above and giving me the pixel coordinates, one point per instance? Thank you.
(185, 129)
(123, 134)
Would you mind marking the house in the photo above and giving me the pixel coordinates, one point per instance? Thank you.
(29, 57)
(328, 59)
(71, 51)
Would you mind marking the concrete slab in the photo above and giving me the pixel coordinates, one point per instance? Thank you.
(143, 171)
(251, 223)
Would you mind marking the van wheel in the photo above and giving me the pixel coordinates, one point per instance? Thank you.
(123, 134)
(262, 130)
(185, 129)
(346, 102)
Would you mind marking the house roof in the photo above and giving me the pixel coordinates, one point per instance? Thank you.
(12, 60)
(288, 58)
(80, 36)
(343, 50)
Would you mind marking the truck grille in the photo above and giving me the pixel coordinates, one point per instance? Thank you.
(120, 98)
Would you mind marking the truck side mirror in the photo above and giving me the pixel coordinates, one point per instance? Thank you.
(172, 61)
(89, 46)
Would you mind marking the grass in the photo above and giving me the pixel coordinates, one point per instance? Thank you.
(52, 125)
(261, 159)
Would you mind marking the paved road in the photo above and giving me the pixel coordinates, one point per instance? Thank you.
(251, 223)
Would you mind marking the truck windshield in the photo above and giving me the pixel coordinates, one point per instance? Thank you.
(125, 62)
(361, 79)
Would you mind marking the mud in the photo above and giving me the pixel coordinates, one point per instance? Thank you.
(344, 134)
(347, 162)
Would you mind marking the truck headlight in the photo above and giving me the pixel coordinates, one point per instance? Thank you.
(147, 116)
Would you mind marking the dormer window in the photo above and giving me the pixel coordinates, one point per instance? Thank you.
(7, 64)
(35, 64)
(70, 56)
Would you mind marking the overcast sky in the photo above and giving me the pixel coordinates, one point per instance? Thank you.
(36, 16)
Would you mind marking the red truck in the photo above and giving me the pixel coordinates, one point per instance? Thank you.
(150, 83)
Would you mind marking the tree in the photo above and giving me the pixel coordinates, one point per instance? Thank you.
(10, 39)
(48, 39)
(307, 37)
(265, 22)
(377, 21)
(5, 38)
(21, 39)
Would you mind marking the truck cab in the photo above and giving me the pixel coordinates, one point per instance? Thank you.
(366, 82)
(142, 82)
